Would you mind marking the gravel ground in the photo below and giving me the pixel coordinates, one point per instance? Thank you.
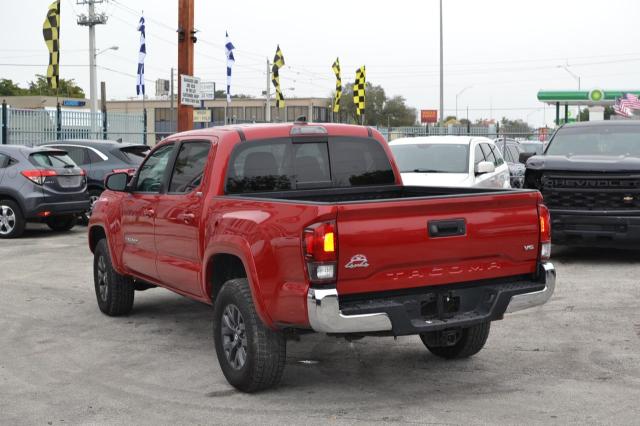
(574, 360)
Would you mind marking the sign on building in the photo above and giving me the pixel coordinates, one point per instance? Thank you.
(201, 115)
(428, 116)
(207, 90)
(189, 90)
(162, 87)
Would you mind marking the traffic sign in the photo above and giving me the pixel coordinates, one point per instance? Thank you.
(189, 90)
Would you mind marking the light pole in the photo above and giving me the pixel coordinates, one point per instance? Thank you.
(576, 77)
(458, 94)
(441, 69)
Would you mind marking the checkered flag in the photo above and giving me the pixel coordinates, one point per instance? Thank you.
(51, 33)
(278, 62)
(336, 71)
(359, 90)
(141, 55)
(228, 47)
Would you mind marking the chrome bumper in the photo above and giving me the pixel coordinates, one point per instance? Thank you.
(325, 315)
(529, 300)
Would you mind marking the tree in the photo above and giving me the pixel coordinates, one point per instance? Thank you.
(514, 126)
(608, 112)
(397, 114)
(379, 110)
(584, 115)
(222, 94)
(67, 88)
(9, 88)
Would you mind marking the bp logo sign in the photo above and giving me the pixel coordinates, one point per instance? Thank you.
(596, 95)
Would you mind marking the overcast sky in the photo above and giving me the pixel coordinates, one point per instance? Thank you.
(506, 50)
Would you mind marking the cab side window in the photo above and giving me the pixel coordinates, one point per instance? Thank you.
(189, 168)
(488, 153)
(152, 172)
(4, 161)
(497, 155)
(478, 155)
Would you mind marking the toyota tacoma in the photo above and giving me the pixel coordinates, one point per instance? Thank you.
(294, 228)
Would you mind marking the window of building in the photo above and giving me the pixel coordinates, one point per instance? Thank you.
(293, 112)
(254, 114)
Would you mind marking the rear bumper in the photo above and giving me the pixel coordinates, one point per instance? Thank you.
(419, 313)
(591, 228)
(57, 205)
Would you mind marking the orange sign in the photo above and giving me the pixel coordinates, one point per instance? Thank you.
(428, 116)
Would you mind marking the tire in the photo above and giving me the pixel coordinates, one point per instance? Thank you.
(470, 342)
(94, 194)
(12, 221)
(265, 350)
(61, 223)
(114, 292)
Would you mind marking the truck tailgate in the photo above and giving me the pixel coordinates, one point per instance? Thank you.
(391, 245)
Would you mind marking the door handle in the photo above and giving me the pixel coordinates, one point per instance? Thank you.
(149, 212)
(186, 217)
(447, 228)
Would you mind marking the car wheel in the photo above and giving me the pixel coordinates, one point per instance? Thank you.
(61, 223)
(12, 221)
(94, 195)
(251, 355)
(466, 342)
(114, 292)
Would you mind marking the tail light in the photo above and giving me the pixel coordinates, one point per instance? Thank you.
(38, 176)
(320, 249)
(545, 232)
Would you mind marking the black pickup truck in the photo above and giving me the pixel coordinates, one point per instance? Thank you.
(589, 177)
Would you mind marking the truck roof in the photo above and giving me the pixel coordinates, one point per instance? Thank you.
(463, 140)
(607, 123)
(275, 130)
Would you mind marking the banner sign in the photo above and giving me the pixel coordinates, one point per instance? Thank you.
(207, 90)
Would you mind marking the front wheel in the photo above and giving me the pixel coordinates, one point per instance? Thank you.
(61, 223)
(251, 355)
(114, 292)
(453, 344)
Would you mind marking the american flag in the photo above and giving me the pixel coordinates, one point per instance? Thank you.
(141, 55)
(622, 107)
(632, 101)
(228, 47)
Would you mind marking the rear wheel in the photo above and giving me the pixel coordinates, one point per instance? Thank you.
(61, 223)
(461, 343)
(251, 356)
(12, 221)
(114, 292)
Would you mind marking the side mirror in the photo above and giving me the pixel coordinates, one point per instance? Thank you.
(117, 182)
(524, 156)
(485, 167)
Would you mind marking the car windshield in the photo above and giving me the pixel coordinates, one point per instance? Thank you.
(432, 158)
(597, 140)
(51, 159)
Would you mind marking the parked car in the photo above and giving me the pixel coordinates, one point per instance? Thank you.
(39, 184)
(292, 228)
(511, 150)
(457, 161)
(101, 157)
(589, 177)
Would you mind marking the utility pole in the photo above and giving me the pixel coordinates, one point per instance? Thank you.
(186, 40)
(441, 69)
(171, 108)
(90, 21)
(268, 93)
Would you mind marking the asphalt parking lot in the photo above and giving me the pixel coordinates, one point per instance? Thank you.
(574, 360)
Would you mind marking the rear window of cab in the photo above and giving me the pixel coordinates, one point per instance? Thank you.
(285, 164)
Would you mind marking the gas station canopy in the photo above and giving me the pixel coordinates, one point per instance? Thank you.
(595, 97)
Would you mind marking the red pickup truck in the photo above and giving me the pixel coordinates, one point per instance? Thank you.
(293, 228)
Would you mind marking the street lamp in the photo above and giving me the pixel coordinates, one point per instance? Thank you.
(576, 77)
(458, 94)
(101, 51)
(94, 80)
(571, 73)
